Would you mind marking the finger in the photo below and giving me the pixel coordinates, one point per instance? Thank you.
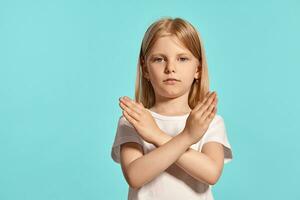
(207, 103)
(212, 105)
(138, 105)
(131, 112)
(211, 115)
(129, 118)
(141, 105)
(131, 104)
(201, 102)
(210, 108)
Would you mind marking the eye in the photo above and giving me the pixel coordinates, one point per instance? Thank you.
(183, 59)
(158, 59)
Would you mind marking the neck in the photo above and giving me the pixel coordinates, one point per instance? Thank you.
(171, 106)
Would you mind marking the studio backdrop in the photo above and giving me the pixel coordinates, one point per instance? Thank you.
(64, 64)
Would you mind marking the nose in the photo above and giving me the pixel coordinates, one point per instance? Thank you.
(170, 67)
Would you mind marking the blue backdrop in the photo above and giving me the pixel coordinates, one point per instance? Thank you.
(64, 64)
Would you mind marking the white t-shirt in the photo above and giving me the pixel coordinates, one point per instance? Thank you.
(173, 183)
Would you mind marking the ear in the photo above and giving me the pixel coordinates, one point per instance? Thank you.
(198, 72)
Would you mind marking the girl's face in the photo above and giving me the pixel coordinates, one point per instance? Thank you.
(169, 59)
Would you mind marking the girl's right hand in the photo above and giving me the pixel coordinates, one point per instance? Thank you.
(200, 117)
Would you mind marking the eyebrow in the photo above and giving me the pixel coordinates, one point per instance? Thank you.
(161, 54)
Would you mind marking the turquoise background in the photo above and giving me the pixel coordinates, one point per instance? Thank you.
(64, 64)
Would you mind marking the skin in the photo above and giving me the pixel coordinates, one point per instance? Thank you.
(167, 59)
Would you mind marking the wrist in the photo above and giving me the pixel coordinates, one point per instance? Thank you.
(161, 138)
(187, 136)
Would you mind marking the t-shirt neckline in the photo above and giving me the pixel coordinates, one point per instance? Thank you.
(168, 117)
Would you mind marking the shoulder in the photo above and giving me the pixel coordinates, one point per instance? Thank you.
(218, 119)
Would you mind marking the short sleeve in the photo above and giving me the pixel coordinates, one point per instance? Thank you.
(216, 132)
(125, 133)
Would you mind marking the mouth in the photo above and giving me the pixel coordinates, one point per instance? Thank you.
(171, 79)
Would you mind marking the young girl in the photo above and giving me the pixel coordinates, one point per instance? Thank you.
(170, 142)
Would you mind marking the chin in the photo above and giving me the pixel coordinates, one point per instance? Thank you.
(171, 94)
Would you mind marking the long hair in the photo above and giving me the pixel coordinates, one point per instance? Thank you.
(190, 38)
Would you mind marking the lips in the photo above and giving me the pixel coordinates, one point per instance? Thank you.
(171, 79)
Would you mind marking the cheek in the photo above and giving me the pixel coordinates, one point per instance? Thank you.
(155, 73)
(187, 72)
(187, 80)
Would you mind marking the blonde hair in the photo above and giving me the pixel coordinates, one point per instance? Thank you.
(190, 38)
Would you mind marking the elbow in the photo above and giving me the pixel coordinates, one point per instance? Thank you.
(133, 182)
(215, 176)
(212, 181)
(133, 185)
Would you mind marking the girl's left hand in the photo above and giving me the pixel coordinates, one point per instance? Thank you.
(140, 118)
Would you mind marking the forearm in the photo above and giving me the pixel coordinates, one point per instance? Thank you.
(195, 163)
(149, 166)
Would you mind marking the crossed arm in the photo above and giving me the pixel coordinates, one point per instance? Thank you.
(139, 169)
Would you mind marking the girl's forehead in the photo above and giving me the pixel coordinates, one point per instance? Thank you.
(169, 44)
